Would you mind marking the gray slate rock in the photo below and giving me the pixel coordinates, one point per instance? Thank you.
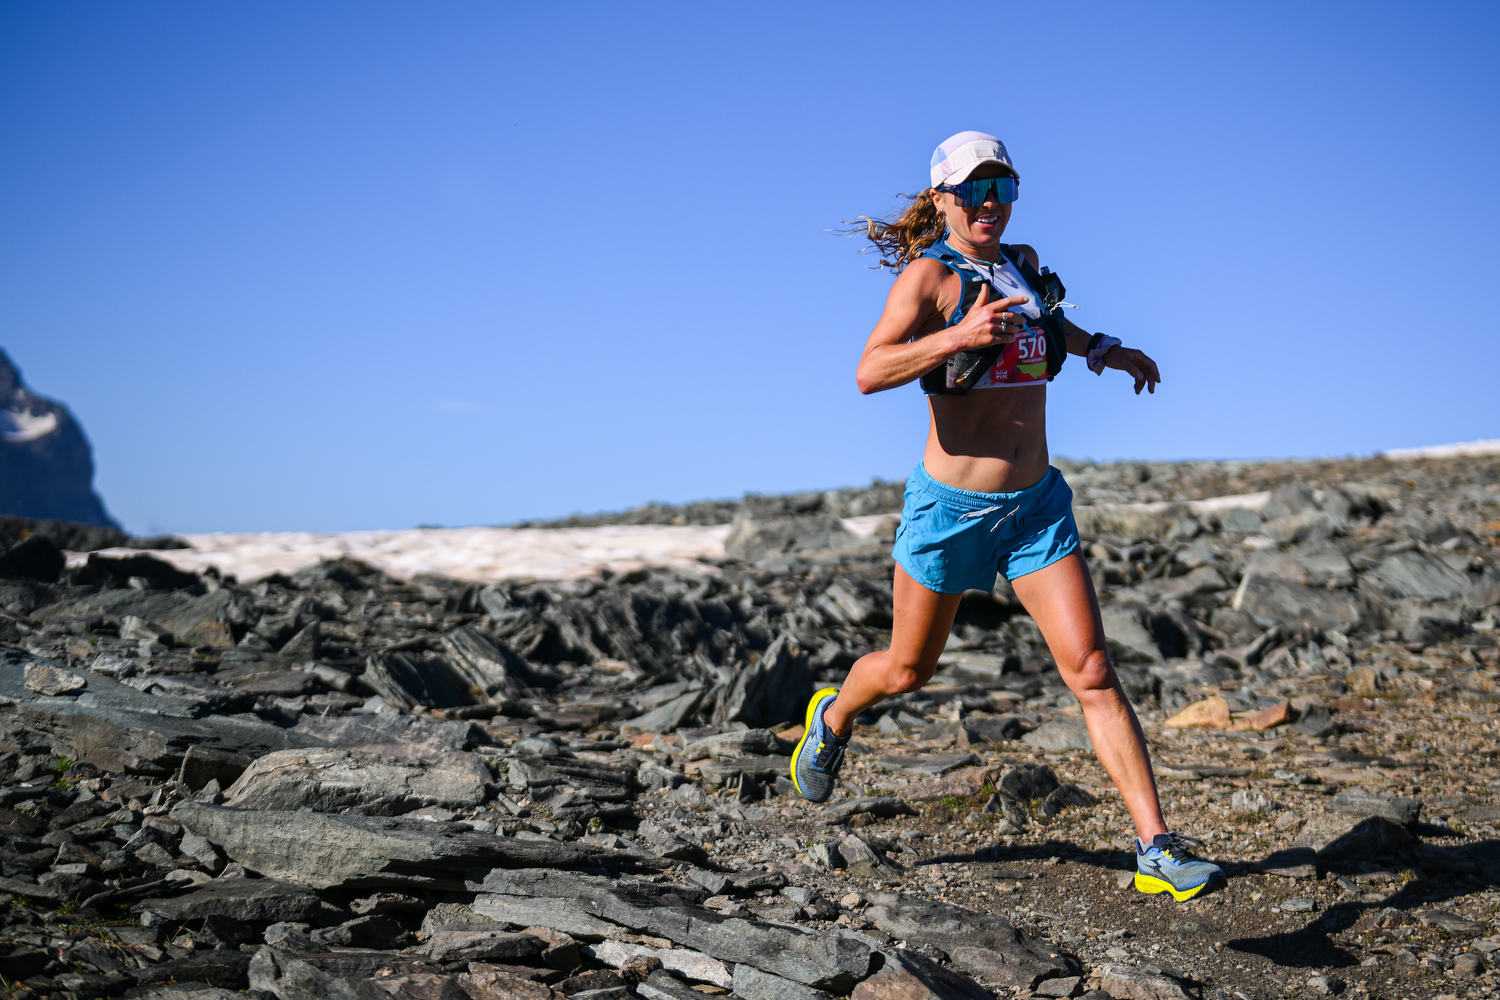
(928, 765)
(1026, 782)
(752, 984)
(907, 975)
(378, 852)
(662, 985)
(883, 806)
(118, 729)
(1059, 735)
(739, 743)
(1001, 952)
(328, 780)
(826, 961)
(1339, 836)
(249, 900)
(392, 735)
(1129, 983)
(1393, 807)
(1416, 574)
(1272, 601)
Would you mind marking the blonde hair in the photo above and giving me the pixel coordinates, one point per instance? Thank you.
(901, 240)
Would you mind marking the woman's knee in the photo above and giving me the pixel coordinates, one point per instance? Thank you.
(1094, 672)
(906, 677)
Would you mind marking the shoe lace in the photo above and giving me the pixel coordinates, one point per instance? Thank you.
(1180, 847)
(828, 753)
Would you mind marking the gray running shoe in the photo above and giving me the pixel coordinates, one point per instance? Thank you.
(1168, 865)
(819, 754)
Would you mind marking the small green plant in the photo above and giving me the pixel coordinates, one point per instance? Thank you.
(68, 907)
(596, 824)
(63, 764)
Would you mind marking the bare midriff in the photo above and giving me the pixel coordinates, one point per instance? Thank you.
(990, 440)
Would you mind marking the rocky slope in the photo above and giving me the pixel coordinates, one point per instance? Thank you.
(342, 784)
(46, 467)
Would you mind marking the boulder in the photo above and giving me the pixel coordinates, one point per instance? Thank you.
(775, 688)
(1210, 713)
(1059, 735)
(1026, 782)
(356, 781)
(737, 743)
(1392, 807)
(1416, 574)
(1126, 982)
(1340, 836)
(1271, 601)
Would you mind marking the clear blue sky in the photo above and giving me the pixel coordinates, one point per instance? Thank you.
(357, 265)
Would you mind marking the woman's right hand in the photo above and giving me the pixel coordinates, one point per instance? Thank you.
(988, 323)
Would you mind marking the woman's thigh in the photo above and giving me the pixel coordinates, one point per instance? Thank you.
(1061, 600)
(921, 623)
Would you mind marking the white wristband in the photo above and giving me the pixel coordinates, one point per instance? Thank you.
(1096, 356)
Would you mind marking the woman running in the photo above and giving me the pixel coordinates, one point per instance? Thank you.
(969, 312)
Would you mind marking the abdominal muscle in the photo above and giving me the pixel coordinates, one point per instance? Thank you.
(989, 440)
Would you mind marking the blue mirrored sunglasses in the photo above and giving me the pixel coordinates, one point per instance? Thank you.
(972, 194)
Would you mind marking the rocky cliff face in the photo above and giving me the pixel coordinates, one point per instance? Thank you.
(46, 467)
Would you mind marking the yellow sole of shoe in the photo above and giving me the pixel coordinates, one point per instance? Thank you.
(1150, 884)
(806, 732)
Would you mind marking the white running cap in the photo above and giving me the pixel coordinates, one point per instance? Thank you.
(960, 155)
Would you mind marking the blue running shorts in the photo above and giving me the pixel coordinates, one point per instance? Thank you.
(952, 540)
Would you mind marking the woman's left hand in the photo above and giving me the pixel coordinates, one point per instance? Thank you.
(1137, 364)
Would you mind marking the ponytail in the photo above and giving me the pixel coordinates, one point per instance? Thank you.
(904, 238)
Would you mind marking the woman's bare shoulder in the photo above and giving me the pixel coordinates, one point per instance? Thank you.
(1029, 252)
(923, 273)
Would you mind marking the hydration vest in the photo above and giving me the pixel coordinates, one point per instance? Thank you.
(960, 373)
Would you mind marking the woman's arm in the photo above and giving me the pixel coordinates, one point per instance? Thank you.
(1127, 359)
(892, 358)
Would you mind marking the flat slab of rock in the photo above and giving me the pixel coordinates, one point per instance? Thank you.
(324, 779)
(377, 852)
(1453, 923)
(685, 962)
(51, 681)
(563, 915)
(249, 900)
(832, 961)
(883, 806)
(928, 766)
(391, 735)
(991, 946)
